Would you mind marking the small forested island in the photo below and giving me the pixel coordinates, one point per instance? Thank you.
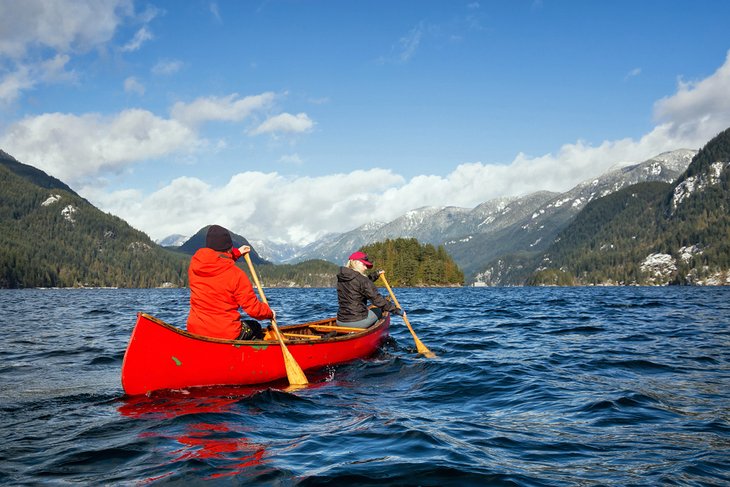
(407, 263)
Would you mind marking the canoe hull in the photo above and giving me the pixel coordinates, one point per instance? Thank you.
(161, 356)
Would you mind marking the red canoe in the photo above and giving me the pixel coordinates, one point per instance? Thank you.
(161, 356)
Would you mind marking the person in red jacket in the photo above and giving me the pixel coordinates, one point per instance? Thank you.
(218, 289)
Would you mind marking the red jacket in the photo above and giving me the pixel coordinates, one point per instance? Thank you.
(217, 289)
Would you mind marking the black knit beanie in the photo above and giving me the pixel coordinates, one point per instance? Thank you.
(218, 238)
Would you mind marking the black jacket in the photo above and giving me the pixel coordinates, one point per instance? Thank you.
(353, 292)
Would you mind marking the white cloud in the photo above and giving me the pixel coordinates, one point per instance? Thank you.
(228, 108)
(12, 84)
(167, 67)
(294, 159)
(699, 110)
(38, 38)
(75, 148)
(409, 44)
(285, 123)
(253, 204)
(143, 35)
(633, 73)
(27, 76)
(216, 11)
(54, 69)
(132, 85)
(61, 25)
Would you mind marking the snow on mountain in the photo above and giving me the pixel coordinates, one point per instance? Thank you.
(539, 230)
(174, 240)
(698, 182)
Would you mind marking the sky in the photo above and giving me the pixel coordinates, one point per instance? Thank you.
(287, 120)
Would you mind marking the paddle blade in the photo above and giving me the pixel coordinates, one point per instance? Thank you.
(419, 345)
(294, 373)
(423, 350)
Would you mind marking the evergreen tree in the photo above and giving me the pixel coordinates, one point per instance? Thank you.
(407, 263)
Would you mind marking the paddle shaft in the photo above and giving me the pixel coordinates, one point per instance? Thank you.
(419, 345)
(294, 372)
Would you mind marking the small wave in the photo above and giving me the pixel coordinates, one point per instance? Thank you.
(577, 329)
(647, 304)
(502, 312)
(639, 337)
(634, 365)
(418, 311)
(98, 312)
(412, 474)
(106, 360)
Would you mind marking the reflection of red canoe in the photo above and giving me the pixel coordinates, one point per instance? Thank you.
(161, 356)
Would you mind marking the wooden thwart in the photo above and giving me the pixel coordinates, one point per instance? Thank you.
(301, 335)
(337, 328)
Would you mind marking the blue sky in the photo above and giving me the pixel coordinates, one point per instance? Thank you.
(287, 120)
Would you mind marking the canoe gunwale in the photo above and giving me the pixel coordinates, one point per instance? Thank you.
(283, 329)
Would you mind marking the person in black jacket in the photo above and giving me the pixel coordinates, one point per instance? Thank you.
(355, 289)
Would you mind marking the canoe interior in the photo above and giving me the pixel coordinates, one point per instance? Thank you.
(326, 329)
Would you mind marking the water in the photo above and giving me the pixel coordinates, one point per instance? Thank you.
(531, 386)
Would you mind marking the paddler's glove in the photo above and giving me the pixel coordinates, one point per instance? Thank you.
(376, 275)
(236, 254)
(398, 311)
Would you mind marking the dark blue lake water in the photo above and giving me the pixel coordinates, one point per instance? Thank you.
(531, 386)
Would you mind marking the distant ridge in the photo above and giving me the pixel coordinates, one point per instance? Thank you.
(32, 174)
(197, 241)
(475, 237)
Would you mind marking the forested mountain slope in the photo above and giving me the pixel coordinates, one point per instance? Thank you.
(652, 233)
(51, 237)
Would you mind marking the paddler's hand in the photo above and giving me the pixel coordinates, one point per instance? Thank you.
(238, 253)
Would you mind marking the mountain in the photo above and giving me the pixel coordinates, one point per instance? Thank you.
(478, 237)
(275, 251)
(434, 225)
(495, 238)
(175, 240)
(197, 241)
(337, 247)
(51, 237)
(482, 256)
(651, 233)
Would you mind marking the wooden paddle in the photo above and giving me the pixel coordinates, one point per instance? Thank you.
(294, 372)
(422, 349)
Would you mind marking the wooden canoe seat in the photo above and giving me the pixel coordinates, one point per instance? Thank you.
(337, 328)
(300, 335)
